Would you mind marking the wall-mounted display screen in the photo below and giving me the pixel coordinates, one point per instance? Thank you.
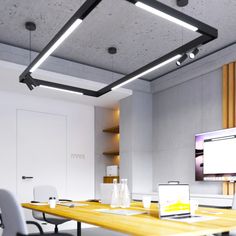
(215, 155)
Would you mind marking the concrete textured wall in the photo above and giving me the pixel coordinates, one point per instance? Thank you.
(179, 113)
(136, 141)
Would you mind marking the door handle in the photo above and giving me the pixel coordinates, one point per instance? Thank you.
(27, 177)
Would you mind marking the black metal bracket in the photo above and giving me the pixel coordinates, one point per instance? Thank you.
(208, 33)
(35, 224)
(1, 222)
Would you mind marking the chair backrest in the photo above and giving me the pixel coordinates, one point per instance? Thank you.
(234, 202)
(42, 193)
(173, 182)
(12, 214)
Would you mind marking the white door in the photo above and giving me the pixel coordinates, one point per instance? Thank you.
(41, 152)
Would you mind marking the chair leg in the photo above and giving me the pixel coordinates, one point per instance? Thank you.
(56, 229)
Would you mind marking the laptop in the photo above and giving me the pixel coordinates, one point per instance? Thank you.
(174, 202)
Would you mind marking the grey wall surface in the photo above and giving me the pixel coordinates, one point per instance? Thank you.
(136, 141)
(104, 118)
(179, 113)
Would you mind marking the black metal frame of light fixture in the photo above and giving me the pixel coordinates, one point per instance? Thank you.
(207, 32)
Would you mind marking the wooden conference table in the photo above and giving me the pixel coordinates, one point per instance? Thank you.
(144, 224)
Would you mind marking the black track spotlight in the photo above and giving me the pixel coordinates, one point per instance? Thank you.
(182, 59)
(193, 53)
(29, 85)
(30, 82)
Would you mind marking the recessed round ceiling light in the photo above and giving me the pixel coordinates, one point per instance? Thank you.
(112, 50)
(182, 3)
(31, 26)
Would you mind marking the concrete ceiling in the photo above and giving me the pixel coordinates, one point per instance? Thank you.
(139, 36)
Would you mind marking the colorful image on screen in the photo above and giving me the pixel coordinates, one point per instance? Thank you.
(215, 155)
(173, 199)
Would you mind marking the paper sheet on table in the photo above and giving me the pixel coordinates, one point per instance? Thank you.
(39, 203)
(72, 204)
(121, 212)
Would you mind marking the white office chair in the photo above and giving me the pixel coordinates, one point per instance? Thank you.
(12, 217)
(234, 202)
(42, 194)
(233, 232)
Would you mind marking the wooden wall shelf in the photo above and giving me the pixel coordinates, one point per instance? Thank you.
(115, 153)
(109, 179)
(114, 130)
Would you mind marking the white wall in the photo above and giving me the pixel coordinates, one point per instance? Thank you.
(136, 141)
(79, 170)
(180, 112)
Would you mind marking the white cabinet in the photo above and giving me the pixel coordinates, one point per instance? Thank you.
(212, 200)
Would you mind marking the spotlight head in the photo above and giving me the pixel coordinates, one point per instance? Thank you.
(193, 53)
(181, 60)
(30, 82)
(29, 86)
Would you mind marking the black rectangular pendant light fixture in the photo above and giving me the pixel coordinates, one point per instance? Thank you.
(207, 32)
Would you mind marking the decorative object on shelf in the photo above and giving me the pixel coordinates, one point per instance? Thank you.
(109, 179)
(114, 130)
(112, 170)
(207, 34)
(114, 153)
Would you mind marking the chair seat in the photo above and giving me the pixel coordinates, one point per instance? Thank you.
(53, 234)
(52, 219)
(42, 194)
(56, 221)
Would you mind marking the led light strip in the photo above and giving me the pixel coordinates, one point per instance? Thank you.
(148, 71)
(61, 90)
(56, 44)
(165, 16)
(207, 32)
(223, 138)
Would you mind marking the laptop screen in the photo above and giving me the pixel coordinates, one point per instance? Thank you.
(174, 199)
